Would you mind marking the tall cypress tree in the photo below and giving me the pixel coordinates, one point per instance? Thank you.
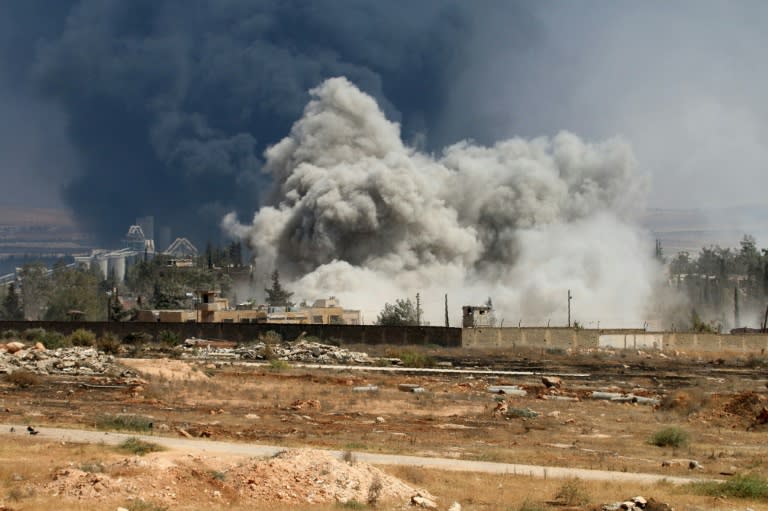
(12, 310)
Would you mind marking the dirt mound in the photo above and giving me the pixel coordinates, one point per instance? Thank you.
(745, 405)
(292, 477)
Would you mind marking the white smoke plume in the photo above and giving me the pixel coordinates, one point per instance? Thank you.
(356, 213)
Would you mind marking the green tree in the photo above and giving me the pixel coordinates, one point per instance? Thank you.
(76, 289)
(277, 295)
(401, 313)
(12, 309)
(35, 290)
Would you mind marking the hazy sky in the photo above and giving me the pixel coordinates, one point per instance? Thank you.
(123, 108)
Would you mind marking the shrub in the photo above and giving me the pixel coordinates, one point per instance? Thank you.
(168, 337)
(529, 505)
(34, 334)
(10, 334)
(671, 436)
(218, 475)
(137, 446)
(278, 365)
(54, 340)
(416, 359)
(108, 343)
(23, 379)
(572, 493)
(270, 337)
(138, 338)
(374, 490)
(348, 457)
(141, 505)
(82, 337)
(352, 504)
(124, 422)
(92, 466)
(745, 486)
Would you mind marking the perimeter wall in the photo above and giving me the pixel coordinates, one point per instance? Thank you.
(511, 338)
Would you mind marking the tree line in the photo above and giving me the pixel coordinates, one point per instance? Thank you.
(725, 288)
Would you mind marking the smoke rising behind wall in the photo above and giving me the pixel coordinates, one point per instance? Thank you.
(357, 213)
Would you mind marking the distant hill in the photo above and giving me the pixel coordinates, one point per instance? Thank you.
(20, 217)
(30, 234)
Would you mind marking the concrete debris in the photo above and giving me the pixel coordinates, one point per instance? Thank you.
(423, 502)
(636, 504)
(302, 351)
(455, 507)
(510, 390)
(548, 397)
(366, 388)
(691, 464)
(618, 397)
(208, 343)
(75, 361)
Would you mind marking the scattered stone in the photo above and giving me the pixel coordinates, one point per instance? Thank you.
(184, 433)
(380, 420)
(305, 404)
(366, 388)
(39, 346)
(551, 381)
(13, 347)
(455, 507)
(424, 502)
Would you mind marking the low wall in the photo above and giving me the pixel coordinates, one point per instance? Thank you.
(511, 338)
(244, 332)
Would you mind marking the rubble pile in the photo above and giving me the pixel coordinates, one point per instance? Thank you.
(75, 361)
(301, 351)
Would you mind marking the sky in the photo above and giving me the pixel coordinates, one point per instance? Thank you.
(118, 109)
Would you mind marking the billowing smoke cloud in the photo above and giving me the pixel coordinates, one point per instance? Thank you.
(168, 105)
(357, 213)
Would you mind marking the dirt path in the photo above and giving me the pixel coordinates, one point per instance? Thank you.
(255, 450)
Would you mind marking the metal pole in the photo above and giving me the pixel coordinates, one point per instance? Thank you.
(569, 308)
(418, 310)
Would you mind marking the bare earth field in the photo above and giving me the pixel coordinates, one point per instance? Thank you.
(718, 400)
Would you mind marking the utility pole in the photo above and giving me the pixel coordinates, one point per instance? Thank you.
(418, 310)
(569, 308)
(736, 319)
(446, 311)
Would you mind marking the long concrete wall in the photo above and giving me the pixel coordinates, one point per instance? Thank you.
(511, 338)
(501, 338)
(244, 332)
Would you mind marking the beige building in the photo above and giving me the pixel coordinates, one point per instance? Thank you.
(212, 308)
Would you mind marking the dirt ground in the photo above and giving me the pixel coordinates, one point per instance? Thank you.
(718, 400)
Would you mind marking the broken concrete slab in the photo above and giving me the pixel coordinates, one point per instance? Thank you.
(510, 390)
